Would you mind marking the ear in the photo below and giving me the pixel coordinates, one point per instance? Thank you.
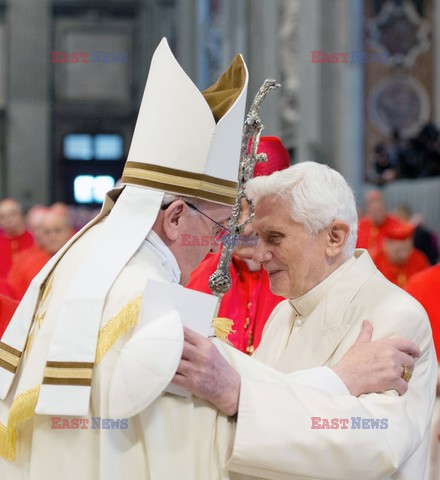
(172, 220)
(338, 232)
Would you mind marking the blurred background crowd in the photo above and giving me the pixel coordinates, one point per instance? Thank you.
(415, 157)
(29, 239)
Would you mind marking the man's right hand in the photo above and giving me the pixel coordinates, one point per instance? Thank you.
(370, 367)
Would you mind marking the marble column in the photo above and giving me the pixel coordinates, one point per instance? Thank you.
(309, 91)
(3, 68)
(330, 94)
(436, 46)
(28, 111)
(290, 71)
(186, 37)
(263, 58)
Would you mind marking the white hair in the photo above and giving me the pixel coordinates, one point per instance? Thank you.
(317, 195)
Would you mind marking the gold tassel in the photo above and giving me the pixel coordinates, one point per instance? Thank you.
(223, 327)
(22, 409)
(23, 406)
(119, 325)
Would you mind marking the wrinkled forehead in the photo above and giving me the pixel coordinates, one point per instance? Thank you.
(272, 213)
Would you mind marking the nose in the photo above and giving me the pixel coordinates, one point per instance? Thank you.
(261, 253)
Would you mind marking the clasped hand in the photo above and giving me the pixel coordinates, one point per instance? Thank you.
(367, 367)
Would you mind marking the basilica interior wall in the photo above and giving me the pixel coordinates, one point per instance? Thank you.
(326, 111)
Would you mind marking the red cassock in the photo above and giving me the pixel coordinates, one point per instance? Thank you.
(7, 309)
(399, 274)
(10, 247)
(425, 287)
(249, 302)
(25, 267)
(371, 236)
(5, 288)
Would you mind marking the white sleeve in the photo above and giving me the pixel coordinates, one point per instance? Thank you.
(275, 437)
(146, 365)
(323, 378)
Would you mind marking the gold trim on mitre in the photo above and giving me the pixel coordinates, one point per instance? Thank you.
(180, 182)
(221, 99)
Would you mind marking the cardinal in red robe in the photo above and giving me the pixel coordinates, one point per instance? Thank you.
(376, 221)
(7, 309)
(5, 288)
(53, 232)
(399, 260)
(14, 238)
(425, 287)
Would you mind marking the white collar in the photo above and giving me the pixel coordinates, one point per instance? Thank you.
(166, 257)
(306, 303)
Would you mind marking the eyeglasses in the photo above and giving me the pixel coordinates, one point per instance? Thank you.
(218, 232)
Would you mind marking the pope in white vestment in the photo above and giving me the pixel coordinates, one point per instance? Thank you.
(317, 329)
(175, 437)
(59, 353)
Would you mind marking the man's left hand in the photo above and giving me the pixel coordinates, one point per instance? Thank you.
(205, 373)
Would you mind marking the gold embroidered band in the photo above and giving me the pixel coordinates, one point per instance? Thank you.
(7, 348)
(9, 357)
(180, 181)
(7, 366)
(68, 373)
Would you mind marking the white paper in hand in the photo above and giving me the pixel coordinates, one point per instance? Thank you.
(196, 311)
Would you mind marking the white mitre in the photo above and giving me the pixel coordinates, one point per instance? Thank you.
(186, 143)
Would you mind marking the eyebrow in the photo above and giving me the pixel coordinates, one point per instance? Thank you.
(271, 231)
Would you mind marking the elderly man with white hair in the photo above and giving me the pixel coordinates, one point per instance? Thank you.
(306, 221)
